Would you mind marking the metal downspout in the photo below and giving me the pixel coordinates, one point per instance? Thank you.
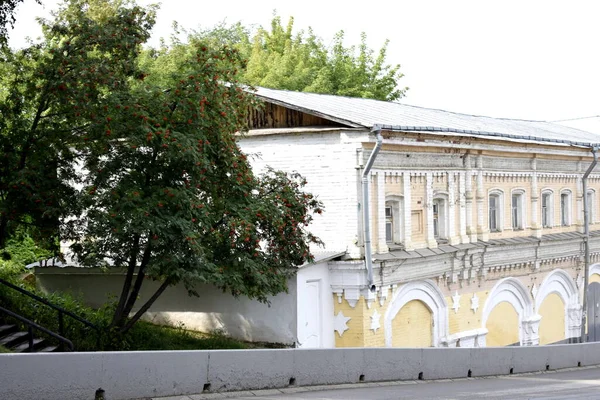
(586, 244)
(366, 209)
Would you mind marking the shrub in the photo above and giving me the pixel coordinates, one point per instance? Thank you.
(143, 336)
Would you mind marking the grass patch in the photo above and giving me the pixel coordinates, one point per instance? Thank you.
(143, 335)
(4, 349)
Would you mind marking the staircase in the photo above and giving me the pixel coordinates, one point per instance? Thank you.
(25, 342)
(20, 342)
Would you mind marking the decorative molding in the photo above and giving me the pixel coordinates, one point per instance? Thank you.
(456, 301)
(530, 330)
(474, 303)
(375, 321)
(427, 292)
(534, 290)
(511, 290)
(340, 323)
(471, 338)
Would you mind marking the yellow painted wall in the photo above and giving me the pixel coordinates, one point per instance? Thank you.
(465, 319)
(594, 278)
(412, 326)
(354, 336)
(502, 325)
(552, 324)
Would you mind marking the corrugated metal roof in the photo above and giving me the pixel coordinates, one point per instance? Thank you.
(369, 113)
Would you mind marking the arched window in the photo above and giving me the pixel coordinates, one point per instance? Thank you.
(517, 209)
(547, 208)
(495, 203)
(565, 207)
(394, 219)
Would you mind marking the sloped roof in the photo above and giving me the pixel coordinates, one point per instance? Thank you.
(368, 113)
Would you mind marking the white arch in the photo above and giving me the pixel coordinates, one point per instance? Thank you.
(427, 292)
(559, 282)
(512, 291)
(594, 269)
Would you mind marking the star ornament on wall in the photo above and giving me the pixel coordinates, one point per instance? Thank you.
(456, 301)
(474, 303)
(340, 323)
(375, 321)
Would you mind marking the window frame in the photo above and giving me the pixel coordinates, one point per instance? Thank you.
(566, 208)
(549, 193)
(396, 204)
(499, 195)
(441, 200)
(518, 216)
(591, 205)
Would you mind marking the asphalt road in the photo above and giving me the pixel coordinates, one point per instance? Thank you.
(582, 383)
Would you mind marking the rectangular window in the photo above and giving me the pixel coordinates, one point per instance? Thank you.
(493, 203)
(546, 210)
(564, 209)
(389, 225)
(516, 211)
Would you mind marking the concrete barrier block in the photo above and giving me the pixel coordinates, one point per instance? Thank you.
(149, 374)
(326, 366)
(446, 363)
(591, 354)
(564, 355)
(487, 361)
(50, 376)
(530, 358)
(392, 364)
(250, 369)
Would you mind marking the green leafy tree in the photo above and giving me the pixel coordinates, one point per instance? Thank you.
(170, 195)
(50, 95)
(137, 155)
(280, 59)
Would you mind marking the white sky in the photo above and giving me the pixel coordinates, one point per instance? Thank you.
(513, 58)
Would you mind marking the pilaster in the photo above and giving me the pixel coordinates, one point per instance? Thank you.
(452, 238)
(462, 229)
(407, 212)
(381, 240)
(482, 231)
(431, 242)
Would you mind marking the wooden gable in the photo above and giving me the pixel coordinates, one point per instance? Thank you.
(276, 116)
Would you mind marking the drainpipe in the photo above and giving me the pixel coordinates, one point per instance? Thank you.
(366, 209)
(586, 243)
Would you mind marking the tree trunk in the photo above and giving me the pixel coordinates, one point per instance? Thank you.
(146, 306)
(3, 231)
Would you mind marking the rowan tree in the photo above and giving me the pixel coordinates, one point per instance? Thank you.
(50, 94)
(170, 195)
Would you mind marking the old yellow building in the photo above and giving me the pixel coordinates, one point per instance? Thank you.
(474, 224)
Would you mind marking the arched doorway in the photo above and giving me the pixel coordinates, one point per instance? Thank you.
(427, 310)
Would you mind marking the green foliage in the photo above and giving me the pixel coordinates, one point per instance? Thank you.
(23, 249)
(167, 193)
(281, 59)
(49, 94)
(170, 195)
(143, 336)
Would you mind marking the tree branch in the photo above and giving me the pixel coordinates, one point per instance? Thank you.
(146, 306)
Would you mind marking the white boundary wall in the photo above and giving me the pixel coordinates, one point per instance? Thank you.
(129, 375)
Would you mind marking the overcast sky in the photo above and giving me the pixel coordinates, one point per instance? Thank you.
(512, 58)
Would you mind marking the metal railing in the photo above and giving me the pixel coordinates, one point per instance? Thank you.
(61, 313)
(32, 325)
